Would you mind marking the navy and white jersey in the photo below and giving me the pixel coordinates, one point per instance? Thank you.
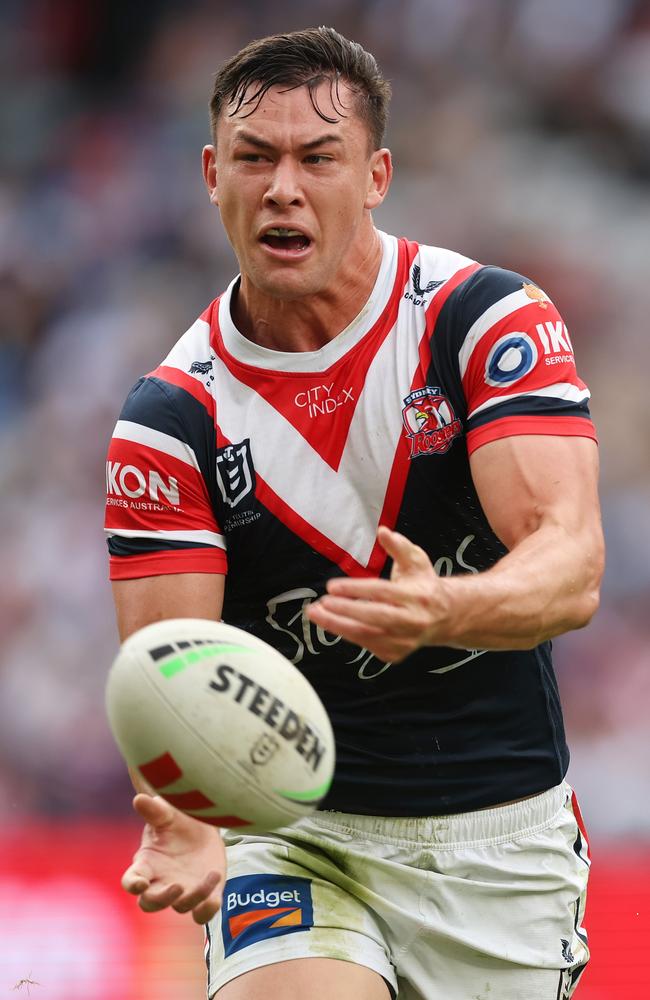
(276, 469)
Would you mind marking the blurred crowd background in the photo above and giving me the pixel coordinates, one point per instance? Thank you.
(521, 137)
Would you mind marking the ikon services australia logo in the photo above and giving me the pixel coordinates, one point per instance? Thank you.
(257, 907)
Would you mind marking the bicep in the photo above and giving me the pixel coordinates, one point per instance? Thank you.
(150, 599)
(527, 481)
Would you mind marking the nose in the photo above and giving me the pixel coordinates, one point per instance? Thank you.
(284, 185)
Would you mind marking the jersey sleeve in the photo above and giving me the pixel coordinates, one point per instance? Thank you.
(516, 362)
(159, 505)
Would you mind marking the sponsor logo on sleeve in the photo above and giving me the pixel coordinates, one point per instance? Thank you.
(430, 422)
(555, 340)
(257, 907)
(510, 358)
(140, 490)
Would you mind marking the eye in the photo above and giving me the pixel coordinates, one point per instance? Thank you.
(251, 157)
(317, 159)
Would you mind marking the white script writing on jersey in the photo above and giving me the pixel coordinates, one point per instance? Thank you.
(320, 399)
(287, 613)
(128, 480)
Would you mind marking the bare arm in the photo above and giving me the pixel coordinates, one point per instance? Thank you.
(540, 496)
(153, 598)
(180, 861)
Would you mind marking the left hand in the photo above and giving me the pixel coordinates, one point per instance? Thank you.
(390, 618)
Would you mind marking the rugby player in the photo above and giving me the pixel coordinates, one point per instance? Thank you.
(377, 456)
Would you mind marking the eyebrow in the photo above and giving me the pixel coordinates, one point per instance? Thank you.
(254, 140)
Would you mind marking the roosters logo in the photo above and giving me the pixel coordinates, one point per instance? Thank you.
(430, 422)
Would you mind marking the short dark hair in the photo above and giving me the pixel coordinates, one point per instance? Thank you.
(304, 58)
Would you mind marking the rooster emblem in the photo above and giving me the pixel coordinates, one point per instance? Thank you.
(535, 293)
(430, 285)
(429, 421)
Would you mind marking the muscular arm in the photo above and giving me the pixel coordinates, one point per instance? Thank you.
(540, 496)
(180, 861)
(153, 598)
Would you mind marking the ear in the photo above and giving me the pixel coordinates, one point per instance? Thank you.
(381, 173)
(209, 162)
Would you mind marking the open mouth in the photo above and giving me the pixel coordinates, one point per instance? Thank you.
(290, 241)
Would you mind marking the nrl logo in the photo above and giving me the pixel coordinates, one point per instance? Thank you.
(235, 472)
(430, 422)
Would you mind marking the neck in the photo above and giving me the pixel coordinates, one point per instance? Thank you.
(307, 324)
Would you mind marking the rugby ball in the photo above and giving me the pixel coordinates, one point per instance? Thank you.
(220, 724)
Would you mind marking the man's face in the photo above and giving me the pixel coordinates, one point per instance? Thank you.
(294, 191)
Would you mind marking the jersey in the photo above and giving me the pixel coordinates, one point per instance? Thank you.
(276, 469)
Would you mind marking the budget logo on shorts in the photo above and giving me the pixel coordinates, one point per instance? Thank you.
(430, 422)
(257, 907)
(235, 472)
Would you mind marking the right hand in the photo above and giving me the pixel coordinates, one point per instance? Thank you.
(181, 862)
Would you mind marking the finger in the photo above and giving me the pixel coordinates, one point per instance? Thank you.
(206, 910)
(347, 628)
(137, 878)
(158, 899)
(154, 810)
(401, 549)
(386, 618)
(370, 588)
(200, 894)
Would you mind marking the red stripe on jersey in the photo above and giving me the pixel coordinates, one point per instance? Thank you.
(433, 311)
(204, 560)
(160, 771)
(522, 425)
(552, 366)
(184, 381)
(307, 532)
(320, 405)
(401, 462)
(152, 509)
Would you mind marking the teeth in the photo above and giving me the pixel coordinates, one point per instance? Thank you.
(283, 232)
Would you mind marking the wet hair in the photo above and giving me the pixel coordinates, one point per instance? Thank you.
(304, 58)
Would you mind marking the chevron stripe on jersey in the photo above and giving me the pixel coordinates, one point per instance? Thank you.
(359, 468)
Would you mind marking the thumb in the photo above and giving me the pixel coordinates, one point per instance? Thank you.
(401, 549)
(153, 810)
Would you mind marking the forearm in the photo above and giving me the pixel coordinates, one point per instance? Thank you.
(547, 585)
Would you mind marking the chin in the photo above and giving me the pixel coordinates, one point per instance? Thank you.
(287, 286)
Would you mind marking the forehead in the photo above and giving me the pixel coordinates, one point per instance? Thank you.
(289, 116)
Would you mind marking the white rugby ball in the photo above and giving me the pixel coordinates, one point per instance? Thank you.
(220, 724)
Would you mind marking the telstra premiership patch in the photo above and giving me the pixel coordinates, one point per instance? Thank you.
(256, 907)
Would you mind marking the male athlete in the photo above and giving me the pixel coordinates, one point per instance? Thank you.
(378, 457)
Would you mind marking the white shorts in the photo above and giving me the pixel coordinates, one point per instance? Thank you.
(487, 904)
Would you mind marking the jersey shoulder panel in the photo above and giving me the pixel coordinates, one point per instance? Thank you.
(510, 350)
(160, 479)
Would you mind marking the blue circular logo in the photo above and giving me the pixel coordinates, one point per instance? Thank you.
(510, 359)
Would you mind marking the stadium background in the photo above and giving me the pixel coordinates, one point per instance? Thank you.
(521, 135)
